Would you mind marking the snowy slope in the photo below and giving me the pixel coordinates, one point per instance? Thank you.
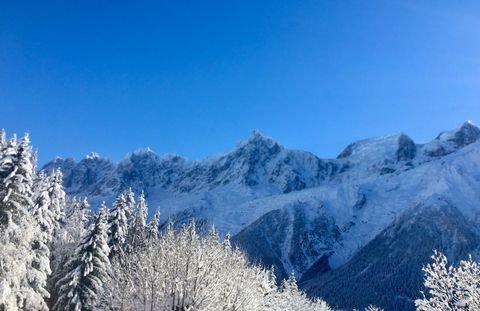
(290, 209)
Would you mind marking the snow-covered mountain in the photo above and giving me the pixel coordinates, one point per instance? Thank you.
(369, 218)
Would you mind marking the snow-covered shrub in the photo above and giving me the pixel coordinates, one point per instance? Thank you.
(450, 288)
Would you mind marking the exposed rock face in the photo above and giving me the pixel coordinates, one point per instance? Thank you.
(91, 176)
(406, 148)
(362, 201)
(451, 141)
(290, 239)
(466, 135)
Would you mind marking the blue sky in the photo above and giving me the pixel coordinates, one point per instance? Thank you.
(196, 77)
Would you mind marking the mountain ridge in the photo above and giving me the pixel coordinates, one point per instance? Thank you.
(291, 209)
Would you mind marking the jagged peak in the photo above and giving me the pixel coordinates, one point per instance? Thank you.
(467, 134)
(57, 162)
(450, 141)
(258, 139)
(92, 156)
(469, 125)
(143, 151)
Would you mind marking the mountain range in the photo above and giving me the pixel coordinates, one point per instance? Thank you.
(355, 230)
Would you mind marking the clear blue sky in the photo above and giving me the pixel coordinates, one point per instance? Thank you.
(195, 77)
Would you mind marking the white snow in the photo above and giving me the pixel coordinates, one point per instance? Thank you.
(233, 206)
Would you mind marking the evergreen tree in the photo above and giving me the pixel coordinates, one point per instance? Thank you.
(90, 269)
(152, 228)
(73, 227)
(49, 203)
(57, 197)
(18, 277)
(45, 219)
(16, 172)
(48, 210)
(137, 234)
(3, 138)
(141, 212)
(130, 202)
(118, 225)
(78, 214)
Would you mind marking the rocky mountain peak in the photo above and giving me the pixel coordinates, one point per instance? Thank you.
(450, 141)
(260, 142)
(467, 134)
(92, 156)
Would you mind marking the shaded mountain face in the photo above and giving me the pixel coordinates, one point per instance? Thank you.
(309, 216)
(290, 239)
(385, 271)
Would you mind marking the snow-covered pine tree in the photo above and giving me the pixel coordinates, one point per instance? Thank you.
(41, 208)
(16, 173)
(73, 228)
(152, 228)
(79, 214)
(137, 236)
(17, 227)
(48, 210)
(46, 219)
(130, 201)
(118, 226)
(3, 140)
(89, 271)
(57, 197)
(49, 205)
(141, 212)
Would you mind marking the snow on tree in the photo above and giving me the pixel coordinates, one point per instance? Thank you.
(89, 271)
(49, 204)
(78, 214)
(137, 231)
(19, 279)
(152, 228)
(66, 239)
(130, 202)
(468, 280)
(289, 297)
(183, 270)
(57, 196)
(49, 201)
(3, 138)
(72, 227)
(450, 288)
(141, 212)
(118, 225)
(16, 172)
